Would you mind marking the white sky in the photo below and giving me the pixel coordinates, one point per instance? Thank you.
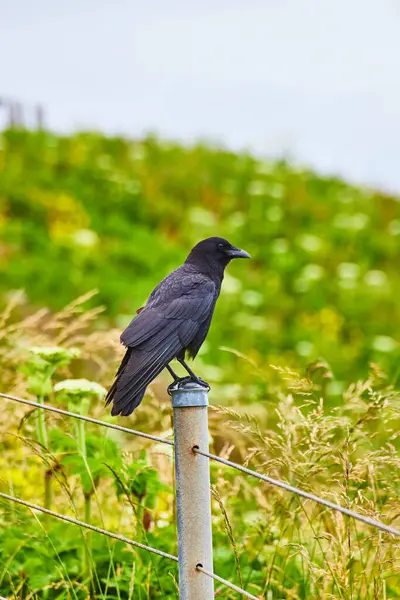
(318, 80)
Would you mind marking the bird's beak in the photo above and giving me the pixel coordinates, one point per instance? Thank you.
(237, 253)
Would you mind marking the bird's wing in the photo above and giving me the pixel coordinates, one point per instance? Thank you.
(166, 325)
(178, 305)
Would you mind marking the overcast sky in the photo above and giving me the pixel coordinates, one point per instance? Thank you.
(318, 80)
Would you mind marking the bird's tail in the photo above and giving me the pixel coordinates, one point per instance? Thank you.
(123, 408)
(139, 367)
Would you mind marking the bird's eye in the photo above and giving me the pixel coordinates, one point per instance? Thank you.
(220, 246)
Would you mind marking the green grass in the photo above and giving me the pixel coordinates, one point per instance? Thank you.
(302, 356)
(277, 545)
(89, 212)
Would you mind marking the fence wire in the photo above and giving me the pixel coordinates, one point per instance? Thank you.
(247, 471)
(115, 536)
(121, 538)
(228, 584)
(67, 413)
(294, 490)
(224, 461)
(92, 527)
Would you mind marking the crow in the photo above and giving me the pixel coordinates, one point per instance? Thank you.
(174, 322)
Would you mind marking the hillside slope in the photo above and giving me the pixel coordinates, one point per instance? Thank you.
(87, 211)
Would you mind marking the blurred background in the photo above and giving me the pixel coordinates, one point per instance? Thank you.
(250, 93)
(132, 130)
(310, 80)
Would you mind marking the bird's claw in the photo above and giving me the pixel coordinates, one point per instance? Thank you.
(182, 381)
(201, 382)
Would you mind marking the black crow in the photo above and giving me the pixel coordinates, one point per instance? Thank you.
(175, 321)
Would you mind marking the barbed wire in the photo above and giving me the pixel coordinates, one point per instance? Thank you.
(228, 584)
(110, 534)
(294, 490)
(67, 413)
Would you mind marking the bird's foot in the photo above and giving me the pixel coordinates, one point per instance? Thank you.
(201, 382)
(177, 383)
(182, 381)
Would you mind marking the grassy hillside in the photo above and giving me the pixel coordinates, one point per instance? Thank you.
(318, 302)
(85, 212)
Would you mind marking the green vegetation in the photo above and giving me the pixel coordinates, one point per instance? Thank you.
(318, 301)
(87, 212)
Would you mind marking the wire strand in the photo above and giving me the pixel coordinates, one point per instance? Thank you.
(290, 488)
(225, 582)
(110, 534)
(67, 413)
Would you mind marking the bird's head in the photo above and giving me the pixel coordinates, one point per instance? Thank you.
(215, 252)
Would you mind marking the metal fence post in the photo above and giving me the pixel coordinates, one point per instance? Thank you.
(193, 499)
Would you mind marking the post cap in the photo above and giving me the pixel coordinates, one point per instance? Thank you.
(188, 393)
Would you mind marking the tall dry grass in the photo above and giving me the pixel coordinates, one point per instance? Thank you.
(274, 544)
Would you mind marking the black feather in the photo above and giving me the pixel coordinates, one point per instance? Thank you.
(175, 320)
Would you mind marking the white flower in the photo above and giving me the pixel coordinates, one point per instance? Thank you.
(54, 354)
(236, 220)
(310, 243)
(276, 190)
(201, 216)
(80, 387)
(280, 246)
(312, 272)
(348, 270)
(256, 188)
(231, 284)
(304, 348)
(384, 343)
(253, 322)
(252, 298)
(354, 222)
(375, 278)
(85, 237)
(394, 227)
